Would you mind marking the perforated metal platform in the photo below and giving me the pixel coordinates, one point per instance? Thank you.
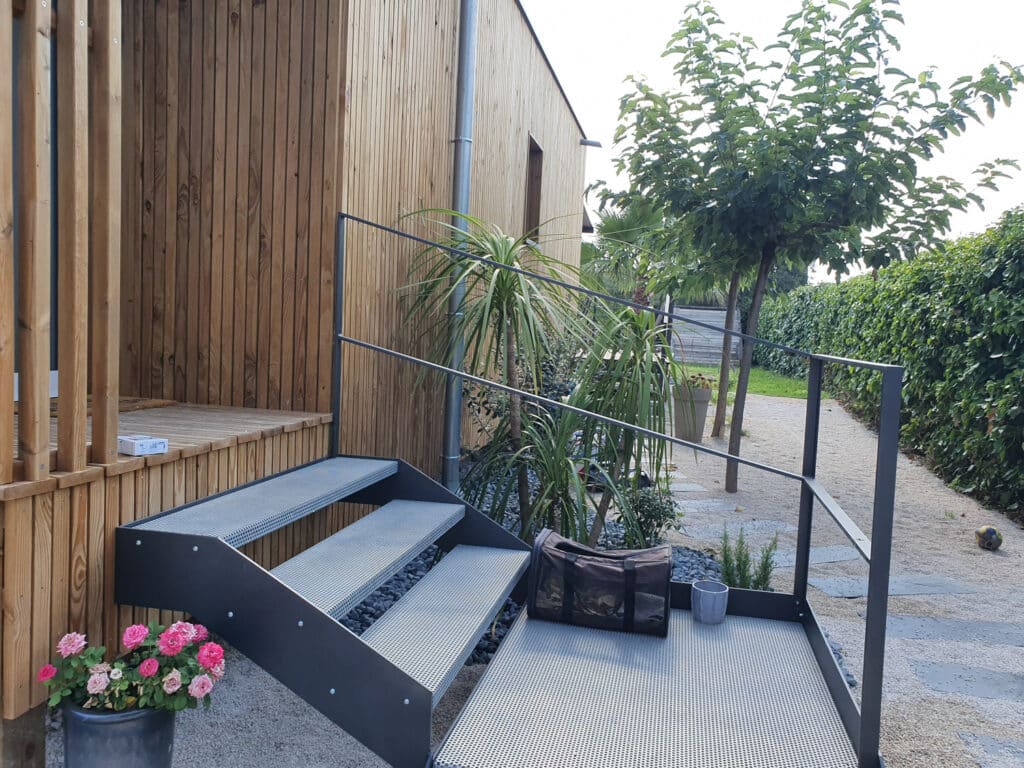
(344, 569)
(431, 631)
(743, 694)
(245, 515)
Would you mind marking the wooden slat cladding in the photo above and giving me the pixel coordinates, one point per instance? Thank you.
(226, 254)
(517, 98)
(397, 158)
(282, 114)
(58, 552)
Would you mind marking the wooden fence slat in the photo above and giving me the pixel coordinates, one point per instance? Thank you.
(111, 519)
(17, 615)
(105, 154)
(79, 554)
(6, 258)
(42, 563)
(34, 240)
(61, 564)
(126, 515)
(72, 233)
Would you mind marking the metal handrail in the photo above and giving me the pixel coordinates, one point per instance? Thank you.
(865, 728)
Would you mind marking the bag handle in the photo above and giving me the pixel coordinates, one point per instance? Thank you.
(568, 587)
(629, 600)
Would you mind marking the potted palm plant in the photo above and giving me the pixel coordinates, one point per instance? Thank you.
(120, 714)
(690, 400)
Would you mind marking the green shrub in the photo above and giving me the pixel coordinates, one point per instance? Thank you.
(646, 514)
(955, 321)
(736, 563)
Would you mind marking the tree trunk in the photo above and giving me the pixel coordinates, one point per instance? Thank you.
(515, 428)
(601, 514)
(723, 372)
(736, 429)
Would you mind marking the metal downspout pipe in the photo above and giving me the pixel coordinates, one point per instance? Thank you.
(464, 94)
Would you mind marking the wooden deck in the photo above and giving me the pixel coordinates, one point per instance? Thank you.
(190, 430)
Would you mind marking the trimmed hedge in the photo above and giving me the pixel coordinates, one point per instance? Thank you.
(955, 320)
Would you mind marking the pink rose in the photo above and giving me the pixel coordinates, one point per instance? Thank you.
(186, 630)
(210, 655)
(71, 644)
(201, 633)
(172, 681)
(46, 672)
(200, 686)
(218, 671)
(100, 669)
(134, 636)
(171, 642)
(97, 683)
(149, 667)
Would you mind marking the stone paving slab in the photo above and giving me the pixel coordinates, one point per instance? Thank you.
(971, 681)
(836, 554)
(687, 488)
(957, 630)
(994, 753)
(754, 527)
(708, 505)
(898, 585)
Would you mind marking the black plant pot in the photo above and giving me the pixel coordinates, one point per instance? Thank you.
(136, 738)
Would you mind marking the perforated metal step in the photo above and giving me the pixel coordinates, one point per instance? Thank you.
(431, 631)
(343, 570)
(746, 693)
(255, 510)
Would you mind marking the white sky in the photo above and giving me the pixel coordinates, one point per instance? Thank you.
(594, 45)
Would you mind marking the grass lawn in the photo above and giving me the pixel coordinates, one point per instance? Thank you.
(762, 381)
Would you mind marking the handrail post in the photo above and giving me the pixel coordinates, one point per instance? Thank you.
(810, 465)
(878, 575)
(339, 311)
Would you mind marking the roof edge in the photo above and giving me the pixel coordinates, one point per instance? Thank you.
(551, 69)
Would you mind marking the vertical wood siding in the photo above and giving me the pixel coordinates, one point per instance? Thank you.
(286, 113)
(229, 223)
(517, 98)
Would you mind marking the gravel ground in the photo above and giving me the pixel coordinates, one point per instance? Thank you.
(933, 534)
(256, 721)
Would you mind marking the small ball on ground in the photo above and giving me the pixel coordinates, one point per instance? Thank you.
(988, 538)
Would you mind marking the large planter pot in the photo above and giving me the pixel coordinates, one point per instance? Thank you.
(137, 738)
(690, 411)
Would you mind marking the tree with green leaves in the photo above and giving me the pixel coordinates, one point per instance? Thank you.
(809, 149)
(508, 319)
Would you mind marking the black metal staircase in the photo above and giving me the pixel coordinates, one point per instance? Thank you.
(381, 686)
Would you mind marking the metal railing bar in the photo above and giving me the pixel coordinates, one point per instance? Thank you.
(855, 363)
(812, 422)
(843, 520)
(566, 407)
(883, 506)
(576, 288)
